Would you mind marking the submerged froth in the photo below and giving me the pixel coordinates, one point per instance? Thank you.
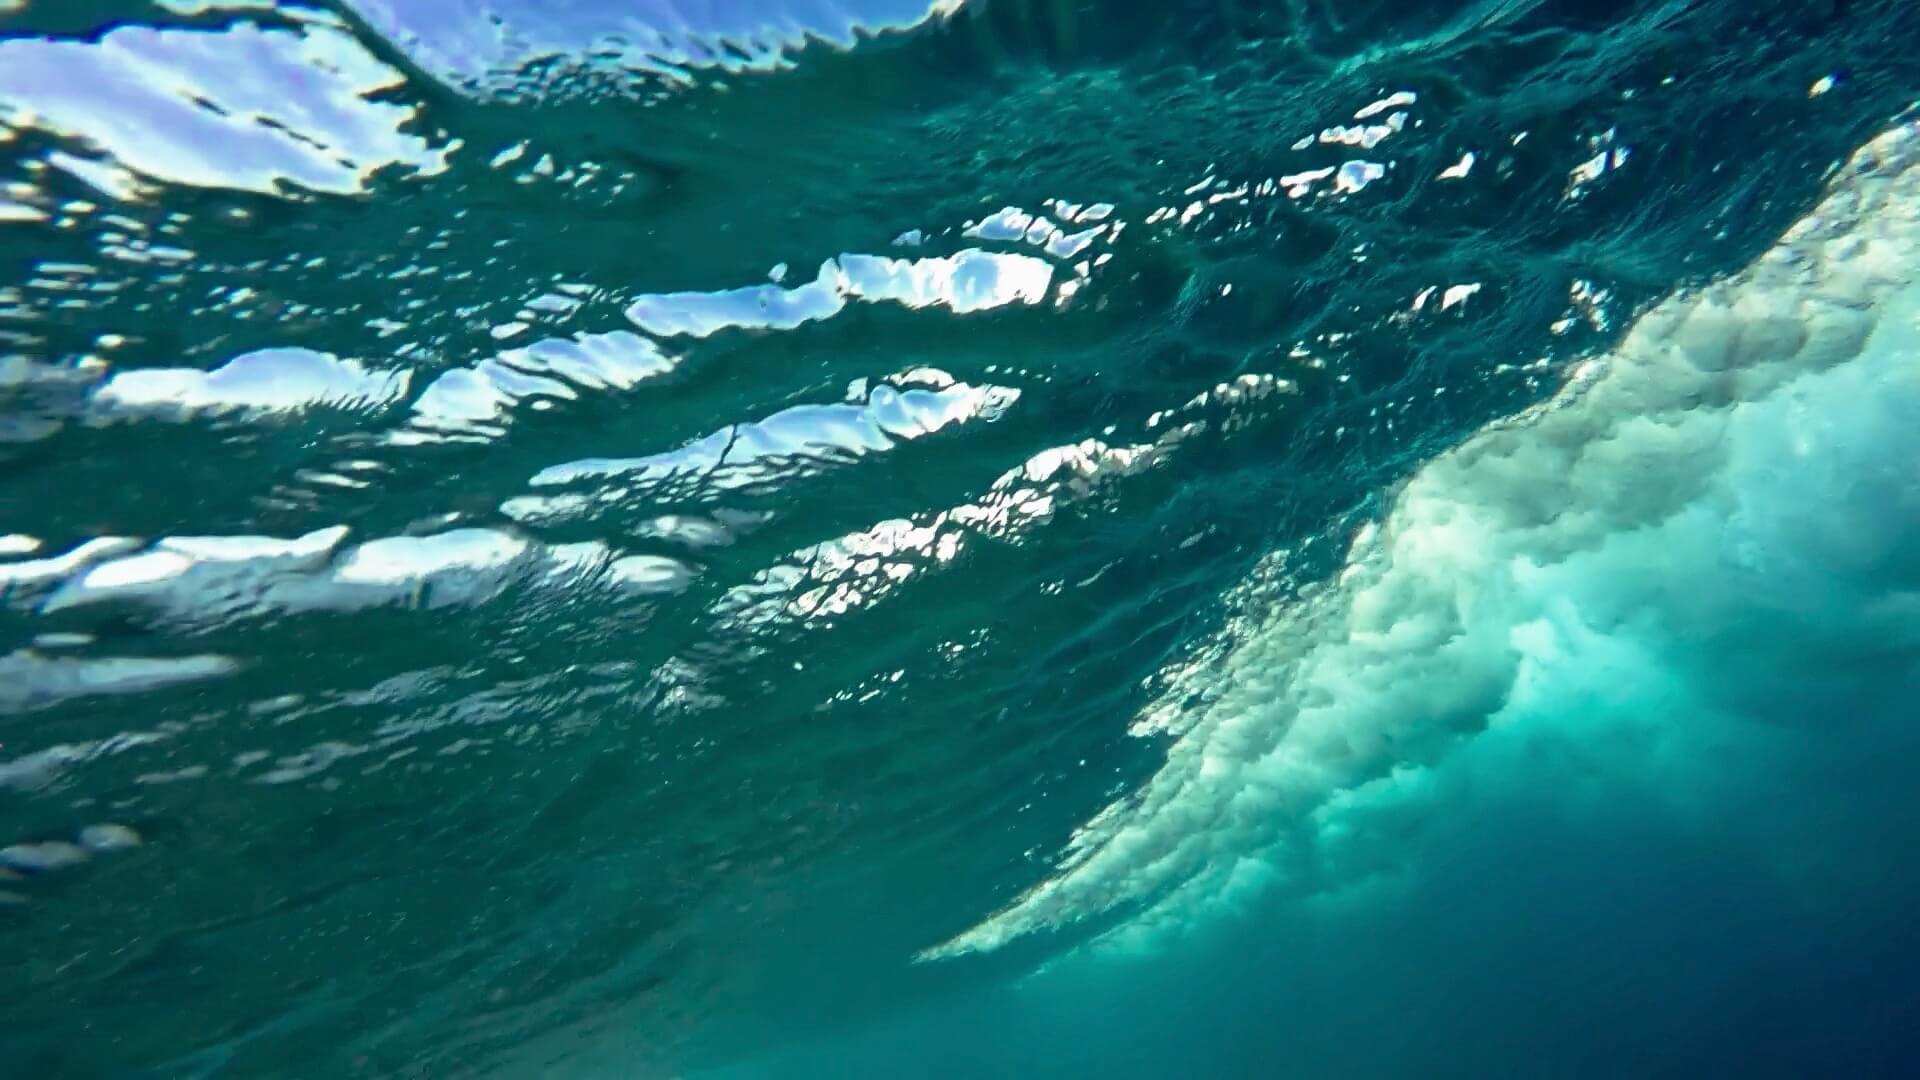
(1603, 513)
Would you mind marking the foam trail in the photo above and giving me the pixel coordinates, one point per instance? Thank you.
(1733, 482)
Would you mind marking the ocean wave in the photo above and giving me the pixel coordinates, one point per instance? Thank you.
(586, 537)
(1639, 511)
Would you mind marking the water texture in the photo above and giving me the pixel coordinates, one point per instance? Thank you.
(789, 538)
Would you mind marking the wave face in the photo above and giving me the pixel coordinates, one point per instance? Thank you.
(786, 538)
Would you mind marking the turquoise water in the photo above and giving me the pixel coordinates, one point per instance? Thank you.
(786, 538)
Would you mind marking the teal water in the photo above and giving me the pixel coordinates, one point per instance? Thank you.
(787, 538)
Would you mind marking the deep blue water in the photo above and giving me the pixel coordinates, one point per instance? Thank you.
(859, 538)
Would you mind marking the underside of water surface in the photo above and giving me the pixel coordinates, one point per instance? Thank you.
(879, 538)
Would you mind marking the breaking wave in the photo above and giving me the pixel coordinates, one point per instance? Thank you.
(782, 538)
